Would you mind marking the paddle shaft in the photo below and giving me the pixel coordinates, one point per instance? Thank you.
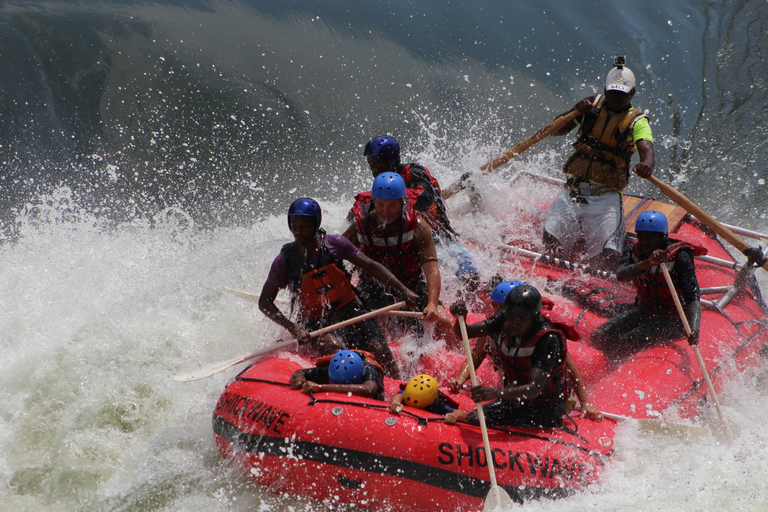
(688, 331)
(252, 297)
(480, 414)
(704, 217)
(202, 374)
(657, 425)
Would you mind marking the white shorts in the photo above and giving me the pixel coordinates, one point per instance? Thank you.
(599, 220)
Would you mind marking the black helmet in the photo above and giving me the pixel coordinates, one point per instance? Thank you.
(523, 300)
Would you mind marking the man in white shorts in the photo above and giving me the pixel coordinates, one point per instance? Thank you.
(590, 207)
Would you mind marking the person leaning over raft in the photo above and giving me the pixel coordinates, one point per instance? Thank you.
(590, 207)
(347, 371)
(654, 318)
(422, 392)
(531, 352)
(387, 229)
(312, 268)
(383, 155)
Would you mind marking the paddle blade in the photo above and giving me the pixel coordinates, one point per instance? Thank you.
(676, 429)
(497, 499)
(208, 372)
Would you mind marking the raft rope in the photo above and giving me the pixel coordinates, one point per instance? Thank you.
(423, 421)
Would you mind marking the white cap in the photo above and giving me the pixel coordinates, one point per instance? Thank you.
(620, 79)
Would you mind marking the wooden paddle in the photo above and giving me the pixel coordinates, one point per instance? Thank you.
(515, 150)
(660, 426)
(220, 367)
(695, 348)
(700, 214)
(252, 297)
(497, 497)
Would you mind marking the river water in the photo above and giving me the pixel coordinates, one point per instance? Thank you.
(149, 152)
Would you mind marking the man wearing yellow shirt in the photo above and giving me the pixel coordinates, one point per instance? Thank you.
(590, 207)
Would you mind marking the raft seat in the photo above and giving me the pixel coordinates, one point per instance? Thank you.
(635, 205)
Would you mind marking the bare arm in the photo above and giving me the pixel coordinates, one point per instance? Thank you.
(582, 107)
(267, 306)
(351, 234)
(587, 410)
(366, 389)
(647, 163)
(425, 247)
(478, 355)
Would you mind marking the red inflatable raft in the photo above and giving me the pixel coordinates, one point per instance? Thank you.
(351, 450)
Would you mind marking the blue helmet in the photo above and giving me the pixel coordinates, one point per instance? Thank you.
(502, 290)
(388, 185)
(523, 300)
(346, 368)
(384, 145)
(307, 207)
(652, 220)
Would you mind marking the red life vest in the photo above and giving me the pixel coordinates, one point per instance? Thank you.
(397, 253)
(653, 295)
(516, 361)
(431, 214)
(319, 288)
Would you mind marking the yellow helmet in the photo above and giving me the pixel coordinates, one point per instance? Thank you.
(420, 392)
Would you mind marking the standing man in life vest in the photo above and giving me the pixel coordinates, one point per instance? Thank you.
(312, 269)
(531, 352)
(388, 229)
(590, 208)
(383, 155)
(654, 318)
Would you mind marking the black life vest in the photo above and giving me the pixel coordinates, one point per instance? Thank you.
(514, 357)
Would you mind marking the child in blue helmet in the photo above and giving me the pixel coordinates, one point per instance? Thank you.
(346, 371)
(654, 318)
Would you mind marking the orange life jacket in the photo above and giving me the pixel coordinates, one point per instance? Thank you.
(319, 288)
(605, 146)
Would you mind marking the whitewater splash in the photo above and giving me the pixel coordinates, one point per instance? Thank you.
(96, 320)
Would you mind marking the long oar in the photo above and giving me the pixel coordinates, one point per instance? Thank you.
(696, 211)
(660, 426)
(220, 367)
(703, 367)
(515, 150)
(497, 497)
(252, 297)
